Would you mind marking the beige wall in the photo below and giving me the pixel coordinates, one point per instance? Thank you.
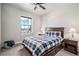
(10, 23)
(78, 17)
(66, 16)
(0, 23)
(63, 17)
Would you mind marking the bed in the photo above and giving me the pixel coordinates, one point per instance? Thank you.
(46, 45)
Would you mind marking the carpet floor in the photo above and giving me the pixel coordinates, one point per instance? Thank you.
(19, 50)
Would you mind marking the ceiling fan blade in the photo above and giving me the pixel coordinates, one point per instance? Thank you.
(42, 6)
(37, 3)
(35, 7)
(40, 3)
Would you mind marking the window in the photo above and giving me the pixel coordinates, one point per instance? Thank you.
(25, 23)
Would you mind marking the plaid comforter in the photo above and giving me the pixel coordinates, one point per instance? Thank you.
(38, 46)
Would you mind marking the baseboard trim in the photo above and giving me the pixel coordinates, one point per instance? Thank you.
(17, 42)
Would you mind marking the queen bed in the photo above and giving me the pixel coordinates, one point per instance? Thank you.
(46, 45)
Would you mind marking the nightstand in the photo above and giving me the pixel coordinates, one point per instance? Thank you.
(71, 46)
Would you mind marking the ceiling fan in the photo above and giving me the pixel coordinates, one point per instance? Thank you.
(40, 5)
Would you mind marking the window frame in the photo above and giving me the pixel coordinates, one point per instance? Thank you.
(27, 25)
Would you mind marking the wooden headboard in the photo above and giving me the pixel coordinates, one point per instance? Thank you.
(61, 29)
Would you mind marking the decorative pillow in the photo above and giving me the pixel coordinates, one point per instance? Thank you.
(48, 33)
(56, 33)
(53, 33)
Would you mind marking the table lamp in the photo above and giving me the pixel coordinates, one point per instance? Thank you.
(72, 31)
(43, 29)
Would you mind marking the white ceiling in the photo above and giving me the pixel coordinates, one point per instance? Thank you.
(49, 7)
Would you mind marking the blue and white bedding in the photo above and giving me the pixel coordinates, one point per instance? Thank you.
(38, 45)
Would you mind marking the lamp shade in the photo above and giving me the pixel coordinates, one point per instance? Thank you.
(43, 29)
(72, 30)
